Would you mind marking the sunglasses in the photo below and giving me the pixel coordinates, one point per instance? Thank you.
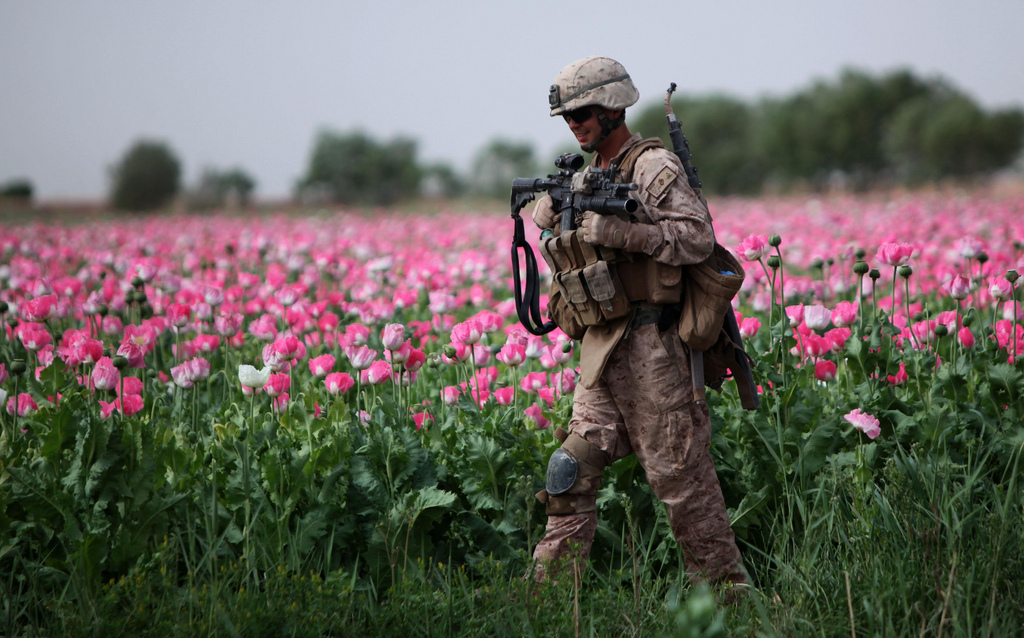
(579, 115)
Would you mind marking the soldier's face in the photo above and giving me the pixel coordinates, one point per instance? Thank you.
(584, 125)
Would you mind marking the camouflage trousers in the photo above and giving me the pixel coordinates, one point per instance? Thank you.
(643, 404)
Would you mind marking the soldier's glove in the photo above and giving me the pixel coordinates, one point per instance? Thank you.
(544, 213)
(609, 230)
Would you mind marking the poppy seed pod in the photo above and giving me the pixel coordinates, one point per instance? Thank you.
(941, 330)
(775, 241)
(1012, 276)
(774, 262)
(874, 274)
(861, 268)
(18, 366)
(906, 271)
(120, 362)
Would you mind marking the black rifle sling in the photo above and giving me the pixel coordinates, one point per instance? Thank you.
(528, 304)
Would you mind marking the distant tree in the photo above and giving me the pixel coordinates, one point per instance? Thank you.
(950, 136)
(17, 189)
(500, 162)
(216, 188)
(720, 131)
(147, 177)
(441, 180)
(353, 168)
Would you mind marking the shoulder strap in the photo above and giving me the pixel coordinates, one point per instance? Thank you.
(632, 155)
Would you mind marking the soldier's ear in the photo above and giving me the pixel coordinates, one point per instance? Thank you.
(616, 114)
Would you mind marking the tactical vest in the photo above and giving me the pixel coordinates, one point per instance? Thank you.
(593, 285)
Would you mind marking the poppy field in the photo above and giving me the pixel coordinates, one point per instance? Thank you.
(335, 425)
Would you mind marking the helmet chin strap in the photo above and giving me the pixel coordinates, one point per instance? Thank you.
(607, 126)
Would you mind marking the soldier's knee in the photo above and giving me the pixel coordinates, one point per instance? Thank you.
(574, 476)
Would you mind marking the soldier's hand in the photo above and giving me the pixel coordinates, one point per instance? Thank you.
(544, 213)
(609, 230)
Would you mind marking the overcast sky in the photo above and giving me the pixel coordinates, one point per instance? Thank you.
(227, 82)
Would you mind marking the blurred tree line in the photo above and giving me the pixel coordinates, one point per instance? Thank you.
(856, 131)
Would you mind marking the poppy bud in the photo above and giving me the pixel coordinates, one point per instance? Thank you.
(18, 366)
(982, 257)
(818, 263)
(1012, 276)
(859, 253)
(968, 319)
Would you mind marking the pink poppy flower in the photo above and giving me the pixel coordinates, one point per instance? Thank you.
(864, 422)
(420, 418)
(825, 370)
(378, 372)
(40, 308)
(25, 405)
(512, 355)
(450, 395)
(416, 360)
(753, 247)
(900, 377)
(321, 366)
(287, 348)
(533, 382)
(104, 375)
(277, 384)
(129, 385)
(749, 327)
(1000, 289)
(360, 356)
(393, 336)
(536, 414)
(817, 317)
(959, 287)
(228, 325)
(467, 332)
(179, 314)
(357, 334)
(844, 314)
(339, 382)
(893, 254)
(197, 369)
(966, 337)
(206, 344)
(505, 396)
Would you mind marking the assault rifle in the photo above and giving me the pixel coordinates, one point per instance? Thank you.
(572, 194)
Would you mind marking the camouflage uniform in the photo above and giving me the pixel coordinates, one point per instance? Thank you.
(636, 394)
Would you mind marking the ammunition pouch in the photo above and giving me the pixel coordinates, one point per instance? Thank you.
(574, 476)
(593, 285)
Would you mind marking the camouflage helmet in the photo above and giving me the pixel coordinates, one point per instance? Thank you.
(592, 81)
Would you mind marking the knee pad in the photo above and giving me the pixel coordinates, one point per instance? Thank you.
(574, 476)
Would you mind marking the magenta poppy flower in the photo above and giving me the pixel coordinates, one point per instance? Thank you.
(339, 382)
(893, 254)
(825, 370)
(512, 355)
(393, 336)
(179, 314)
(277, 384)
(378, 372)
(321, 366)
(40, 308)
(753, 247)
(104, 375)
(25, 405)
(536, 414)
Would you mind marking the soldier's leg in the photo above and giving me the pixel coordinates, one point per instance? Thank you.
(671, 435)
(596, 438)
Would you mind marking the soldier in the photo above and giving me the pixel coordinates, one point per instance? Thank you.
(635, 393)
